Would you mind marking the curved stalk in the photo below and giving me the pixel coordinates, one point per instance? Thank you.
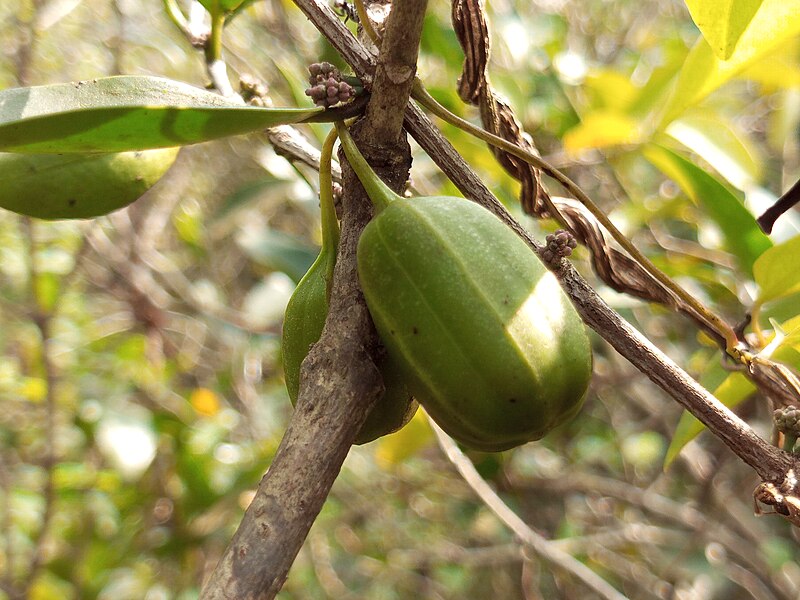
(330, 224)
(214, 44)
(363, 18)
(176, 16)
(380, 193)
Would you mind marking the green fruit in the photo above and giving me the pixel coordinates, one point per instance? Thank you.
(488, 342)
(305, 318)
(302, 327)
(78, 186)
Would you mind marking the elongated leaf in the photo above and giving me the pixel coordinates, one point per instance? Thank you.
(777, 271)
(78, 186)
(722, 22)
(733, 391)
(788, 352)
(775, 22)
(117, 114)
(743, 237)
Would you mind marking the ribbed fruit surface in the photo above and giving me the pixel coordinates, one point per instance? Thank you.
(488, 342)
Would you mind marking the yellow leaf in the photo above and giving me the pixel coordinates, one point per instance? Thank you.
(777, 71)
(204, 401)
(602, 129)
(722, 22)
(775, 22)
(609, 89)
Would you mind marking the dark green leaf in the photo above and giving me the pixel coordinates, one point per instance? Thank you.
(117, 114)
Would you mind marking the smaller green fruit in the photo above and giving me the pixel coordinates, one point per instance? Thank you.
(302, 327)
(305, 318)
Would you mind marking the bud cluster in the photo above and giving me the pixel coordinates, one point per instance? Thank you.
(559, 245)
(253, 90)
(787, 420)
(327, 87)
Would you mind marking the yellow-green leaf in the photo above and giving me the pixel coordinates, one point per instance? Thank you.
(777, 271)
(712, 138)
(778, 71)
(722, 22)
(393, 449)
(607, 89)
(774, 23)
(602, 129)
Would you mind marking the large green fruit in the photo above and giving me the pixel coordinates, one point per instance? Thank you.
(489, 343)
(78, 186)
(302, 327)
(305, 318)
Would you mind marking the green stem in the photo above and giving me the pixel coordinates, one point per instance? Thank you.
(214, 44)
(330, 225)
(420, 94)
(380, 193)
(361, 11)
(176, 16)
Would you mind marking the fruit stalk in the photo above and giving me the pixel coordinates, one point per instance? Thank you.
(380, 193)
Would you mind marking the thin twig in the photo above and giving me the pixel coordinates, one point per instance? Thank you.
(543, 548)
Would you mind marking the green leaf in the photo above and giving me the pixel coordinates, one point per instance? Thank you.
(722, 22)
(78, 186)
(731, 392)
(775, 22)
(743, 237)
(777, 271)
(118, 114)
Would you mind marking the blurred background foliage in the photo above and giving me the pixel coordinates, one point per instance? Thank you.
(140, 381)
